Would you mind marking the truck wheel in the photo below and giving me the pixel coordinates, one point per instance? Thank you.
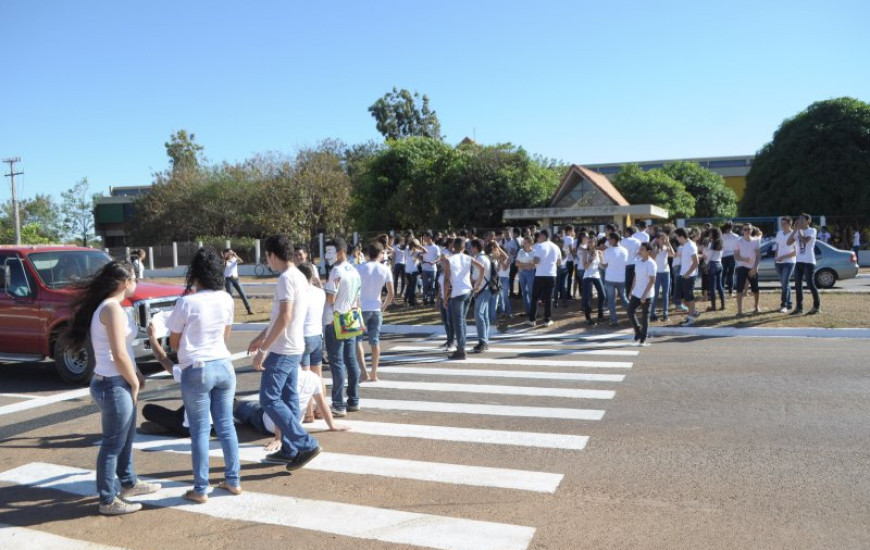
(73, 365)
(826, 278)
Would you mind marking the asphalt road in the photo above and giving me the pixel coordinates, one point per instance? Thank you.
(692, 443)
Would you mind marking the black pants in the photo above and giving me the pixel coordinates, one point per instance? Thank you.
(588, 284)
(569, 280)
(805, 273)
(728, 264)
(641, 327)
(169, 420)
(399, 278)
(629, 276)
(513, 277)
(542, 289)
(411, 287)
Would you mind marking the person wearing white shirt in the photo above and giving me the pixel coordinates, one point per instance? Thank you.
(547, 259)
(231, 277)
(312, 333)
(631, 244)
(804, 237)
(856, 242)
(713, 266)
(614, 261)
(729, 239)
(485, 300)
(590, 256)
(277, 352)
(399, 265)
(569, 247)
(525, 263)
(413, 253)
(513, 242)
(199, 327)
(642, 292)
(374, 276)
(661, 252)
(429, 258)
(785, 255)
(688, 273)
(458, 286)
(640, 234)
(825, 235)
(747, 253)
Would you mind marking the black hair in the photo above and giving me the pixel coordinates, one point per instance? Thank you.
(641, 225)
(301, 247)
(279, 245)
(89, 294)
(338, 242)
(307, 270)
(716, 242)
(602, 241)
(206, 268)
(727, 227)
(475, 243)
(545, 233)
(374, 249)
(458, 244)
(681, 232)
(647, 246)
(614, 236)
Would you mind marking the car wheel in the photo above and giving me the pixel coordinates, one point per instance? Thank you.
(826, 278)
(74, 365)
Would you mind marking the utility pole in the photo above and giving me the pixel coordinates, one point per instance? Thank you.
(12, 173)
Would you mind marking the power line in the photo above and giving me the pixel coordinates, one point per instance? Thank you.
(12, 173)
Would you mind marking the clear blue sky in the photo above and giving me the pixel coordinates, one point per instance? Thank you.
(95, 88)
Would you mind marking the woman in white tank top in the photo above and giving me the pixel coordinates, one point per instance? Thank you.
(116, 382)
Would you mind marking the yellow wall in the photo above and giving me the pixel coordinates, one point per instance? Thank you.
(737, 184)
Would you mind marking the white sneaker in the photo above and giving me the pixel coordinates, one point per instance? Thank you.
(783, 310)
(119, 507)
(141, 488)
(530, 323)
(451, 348)
(548, 324)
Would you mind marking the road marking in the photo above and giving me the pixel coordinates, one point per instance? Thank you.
(233, 357)
(534, 375)
(19, 396)
(476, 409)
(569, 345)
(438, 472)
(389, 358)
(43, 401)
(21, 537)
(364, 522)
(531, 391)
(530, 351)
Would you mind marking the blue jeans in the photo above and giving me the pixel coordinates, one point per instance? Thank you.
(560, 292)
(118, 417)
(233, 282)
(428, 286)
(458, 309)
(784, 272)
(505, 299)
(482, 316)
(251, 413)
(211, 388)
(313, 354)
(716, 284)
(447, 322)
(612, 289)
(342, 363)
(373, 321)
(588, 284)
(806, 272)
(527, 280)
(728, 267)
(280, 399)
(662, 291)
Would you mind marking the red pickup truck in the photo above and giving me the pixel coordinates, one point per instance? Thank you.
(35, 305)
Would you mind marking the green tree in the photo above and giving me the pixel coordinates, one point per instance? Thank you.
(41, 215)
(77, 210)
(655, 187)
(713, 199)
(818, 161)
(401, 114)
(183, 151)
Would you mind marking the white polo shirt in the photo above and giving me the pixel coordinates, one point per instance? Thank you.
(643, 270)
(548, 255)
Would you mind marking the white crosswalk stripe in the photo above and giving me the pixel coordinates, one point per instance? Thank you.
(21, 538)
(483, 373)
(437, 472)
(357, 521)
(530, 351)
(532, 391)
(481, 360)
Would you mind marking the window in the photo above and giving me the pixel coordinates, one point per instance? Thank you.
(731, 163)
(60, 269)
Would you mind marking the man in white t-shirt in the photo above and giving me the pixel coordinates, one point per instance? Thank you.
(640, 233)
(614, 261)
(804, 237)
(631, 244)
(429, 260)
(512, 245)
(729, 239)
(342, 295)
(547, 259)
(459, 288)
(785, 257)
(688, 272)
(641, 293)
(277, 353)
(856, 242)
(569, 248)
(747, 253)
(374, 276)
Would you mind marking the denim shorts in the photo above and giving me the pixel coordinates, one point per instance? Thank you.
(373, 321)
(313, 354)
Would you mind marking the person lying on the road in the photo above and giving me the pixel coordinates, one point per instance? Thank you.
(309, 386)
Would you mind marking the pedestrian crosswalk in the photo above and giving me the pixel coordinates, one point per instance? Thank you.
(400, 408)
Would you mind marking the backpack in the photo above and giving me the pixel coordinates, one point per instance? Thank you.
(493, 283)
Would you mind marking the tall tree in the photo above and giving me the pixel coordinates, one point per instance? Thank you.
(41, 214)
(77, 209)
(655, 187)
(401, 114)
(183, 151)
(713, 199)
(818, 161)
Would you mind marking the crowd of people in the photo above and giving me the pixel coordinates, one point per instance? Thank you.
(650, 270)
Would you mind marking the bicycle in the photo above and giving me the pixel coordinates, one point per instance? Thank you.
(263, 268)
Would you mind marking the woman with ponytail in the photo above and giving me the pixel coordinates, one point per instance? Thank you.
(98, 315)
